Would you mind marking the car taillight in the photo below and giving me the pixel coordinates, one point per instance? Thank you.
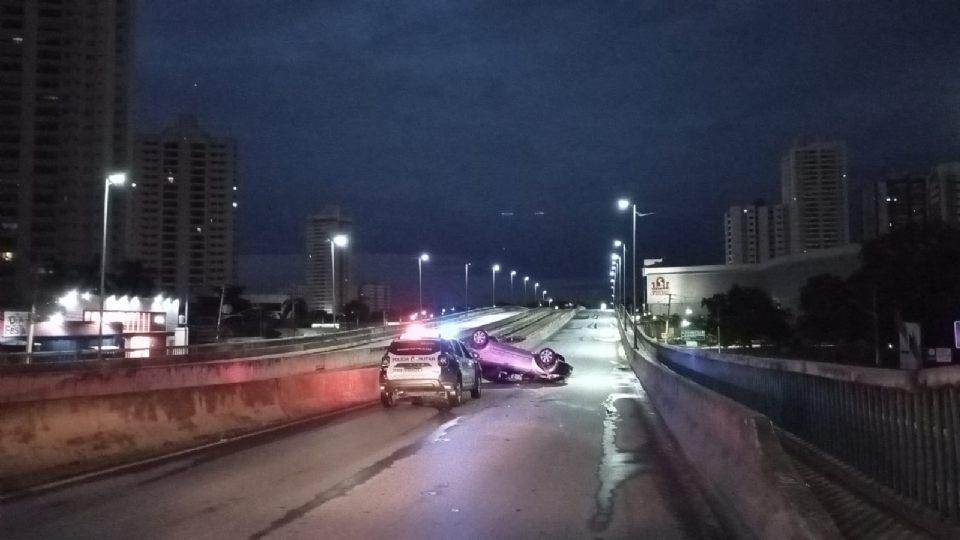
(385, 361)
(443, 360)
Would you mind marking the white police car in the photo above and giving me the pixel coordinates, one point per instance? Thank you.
(421, 364)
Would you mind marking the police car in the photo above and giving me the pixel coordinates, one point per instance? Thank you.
(421, 364)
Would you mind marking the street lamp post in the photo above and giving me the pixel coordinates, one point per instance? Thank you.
(535, 285)
(115, 179)
(613, 285)
(624, 204)
(617, 264)
(623, 286)
(513, 299)
(543, 295)
(466, 286)
(420, 260)
(525, 280)
(340, 240)
(496, 268)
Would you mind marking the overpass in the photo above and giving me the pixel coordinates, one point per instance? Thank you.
(283, 443)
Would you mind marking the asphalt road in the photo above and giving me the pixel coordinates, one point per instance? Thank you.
(588, 459)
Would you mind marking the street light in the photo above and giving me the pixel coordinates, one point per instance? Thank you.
(115, 179)
(525, 280)
(535, 285)
(624, 204)
(420, 260)
(623, 275)
(466, 286)
(339, 240)
(512, 298)
(496, 268)
(543, 295)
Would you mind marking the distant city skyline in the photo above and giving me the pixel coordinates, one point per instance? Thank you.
(684, 109)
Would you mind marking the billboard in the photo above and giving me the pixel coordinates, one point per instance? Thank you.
(15, 323)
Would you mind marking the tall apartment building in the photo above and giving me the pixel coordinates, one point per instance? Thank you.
(815, 190)
(756, 233)
(894, 204)
(321, 229)
(943, 194)
(65, 67)
(377, 296)
(183, 208)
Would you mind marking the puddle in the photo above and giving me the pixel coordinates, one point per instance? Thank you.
(616, 466)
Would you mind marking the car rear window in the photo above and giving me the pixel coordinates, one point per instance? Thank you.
(414, 347)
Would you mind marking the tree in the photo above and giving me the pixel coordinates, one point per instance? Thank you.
(357, 310)
(914, 273)
(208, 306)
(834, 310)
(745, 315)
(295, 310)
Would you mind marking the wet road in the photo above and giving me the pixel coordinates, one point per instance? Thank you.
(584, 460)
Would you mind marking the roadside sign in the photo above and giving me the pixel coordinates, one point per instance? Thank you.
(956, 334)
(14, 323)
(944, 355)
(693, 334)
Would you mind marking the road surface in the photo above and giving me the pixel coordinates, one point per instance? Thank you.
(584, 460)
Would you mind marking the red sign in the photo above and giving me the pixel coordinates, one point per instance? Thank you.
(659, 287)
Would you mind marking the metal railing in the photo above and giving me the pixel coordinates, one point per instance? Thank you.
(899, 428)
(212, 351)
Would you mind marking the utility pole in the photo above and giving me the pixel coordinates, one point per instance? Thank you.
(223, 291)
(669, 303)
(718, 327)
(293, 309)
(466, 286)
(876, 329)
(32, 320)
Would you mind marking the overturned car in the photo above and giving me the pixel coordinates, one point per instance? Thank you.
(500, 362)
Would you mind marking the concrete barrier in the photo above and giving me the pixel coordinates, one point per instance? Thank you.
(16, 387)
(86, 422)
(55, 424)
(539, 335)
(736, 454)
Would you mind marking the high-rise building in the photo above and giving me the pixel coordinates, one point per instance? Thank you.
(756, 233)
(894, 204)
(183, 203)
(65, 71)
(376, 296)
(815, 190)
(943, 194)
(322, 228)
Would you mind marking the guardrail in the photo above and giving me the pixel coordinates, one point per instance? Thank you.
(215, 351)
(735, 453)
(902, 429)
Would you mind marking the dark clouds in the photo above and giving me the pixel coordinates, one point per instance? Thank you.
(418, 114)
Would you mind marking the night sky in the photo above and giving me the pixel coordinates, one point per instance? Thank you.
(428, 119)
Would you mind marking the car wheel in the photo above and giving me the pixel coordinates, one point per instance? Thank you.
(475, 391)
(455, 396)
(479, 339)
(547, 359)
(388, 399)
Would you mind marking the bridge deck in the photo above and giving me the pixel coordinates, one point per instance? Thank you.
(585, 460)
